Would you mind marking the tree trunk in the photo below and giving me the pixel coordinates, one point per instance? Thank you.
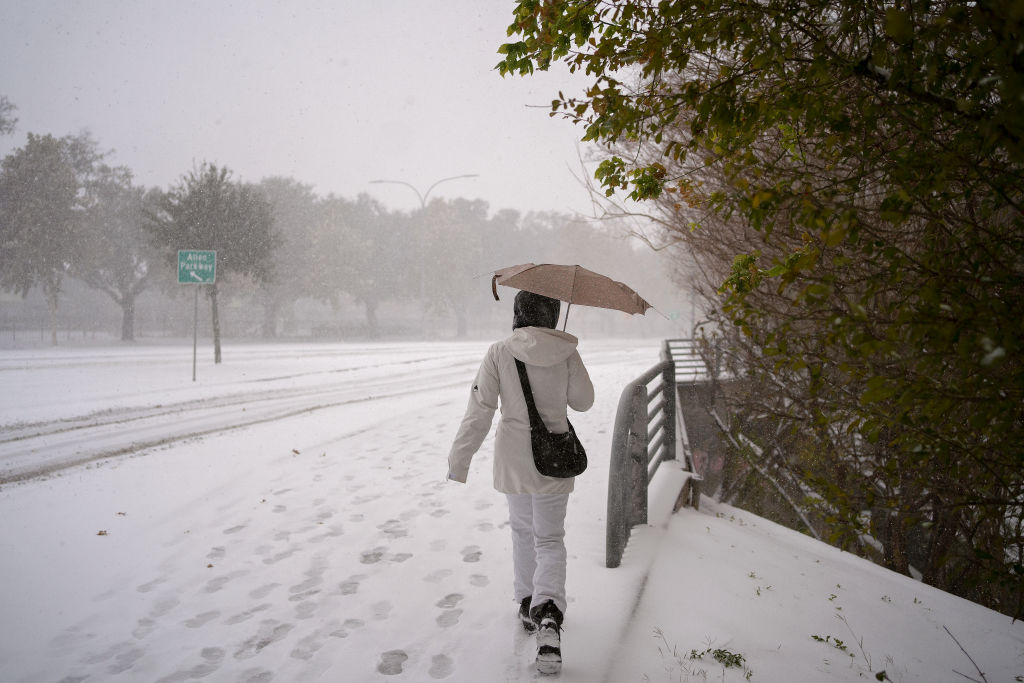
(461, 322)
(128, 318)
(52, 289)
(270, 310)
(943, 535)
(216, 323)
(371, 318)
(895, 544)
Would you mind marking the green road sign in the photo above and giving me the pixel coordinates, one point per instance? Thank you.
(197, 267)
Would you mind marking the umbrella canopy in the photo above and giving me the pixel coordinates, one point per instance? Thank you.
(572, 284)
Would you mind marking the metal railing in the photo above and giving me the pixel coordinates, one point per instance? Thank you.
(644, 437)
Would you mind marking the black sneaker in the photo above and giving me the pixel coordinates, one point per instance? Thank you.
(549, 638)
(524, 615)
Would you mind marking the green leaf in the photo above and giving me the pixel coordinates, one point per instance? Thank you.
(878, 389)
(898, 25)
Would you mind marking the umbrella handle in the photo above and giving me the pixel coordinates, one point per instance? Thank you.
(494, 287)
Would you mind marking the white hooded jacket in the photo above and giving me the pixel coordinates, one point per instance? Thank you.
(558, 380)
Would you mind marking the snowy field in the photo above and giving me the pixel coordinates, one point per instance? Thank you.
(285, 518)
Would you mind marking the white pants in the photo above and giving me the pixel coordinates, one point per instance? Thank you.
(538, 546)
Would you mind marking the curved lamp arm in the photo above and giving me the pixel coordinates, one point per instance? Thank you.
(423, 197)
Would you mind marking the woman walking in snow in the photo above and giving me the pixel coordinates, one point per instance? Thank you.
(536, 503)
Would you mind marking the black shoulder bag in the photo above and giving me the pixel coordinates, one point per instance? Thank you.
(554, 455)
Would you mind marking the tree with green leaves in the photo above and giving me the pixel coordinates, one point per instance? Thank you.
(865, 163)
(41, 187)
(360, 250)
(454, 233)
(208, 210)
(296, 212)
(116, 255)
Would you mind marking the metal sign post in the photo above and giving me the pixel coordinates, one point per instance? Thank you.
(196, 267)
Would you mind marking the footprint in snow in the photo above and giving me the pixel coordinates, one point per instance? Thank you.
(364, 499)
(263, 591)
(349, 626)
(212, 659)
(314, 579)
(125, 661)
(143, 627)
(449, 618)
(305, 610)
(334, 531)
(284, 554)
(372, 556)
(246, 615)
(307, 647)
(479, 580)
(391, 662)
(381, 610)
(393, 529)
(299, 597)
(201, 619)
(164, 606)
(450, 600)
(270, 632)
(437, 576)
(109, 653)
(215, 584)
(256, 676)
(441, 666)
(350, 586)
(471, 553)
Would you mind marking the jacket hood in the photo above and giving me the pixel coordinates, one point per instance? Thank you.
(541, 346)
(535, 310)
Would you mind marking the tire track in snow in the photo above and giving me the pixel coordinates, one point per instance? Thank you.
(49, 447)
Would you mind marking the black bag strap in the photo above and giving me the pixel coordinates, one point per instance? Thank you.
(531, 406)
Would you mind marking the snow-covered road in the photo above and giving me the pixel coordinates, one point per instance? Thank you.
(146, 418)
(283, 518)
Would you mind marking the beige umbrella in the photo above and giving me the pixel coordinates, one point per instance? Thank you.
(572, 284)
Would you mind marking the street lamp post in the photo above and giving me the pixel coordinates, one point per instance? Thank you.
(423, 205)
(423, 197)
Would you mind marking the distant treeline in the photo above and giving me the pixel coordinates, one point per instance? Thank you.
(288, 259)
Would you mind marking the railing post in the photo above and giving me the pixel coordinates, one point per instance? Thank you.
(617, 524)
(638, 457)
(668, 378)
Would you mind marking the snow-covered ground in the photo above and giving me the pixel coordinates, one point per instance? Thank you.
(285, 518)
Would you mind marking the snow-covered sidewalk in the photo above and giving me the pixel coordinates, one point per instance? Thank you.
(324, 545)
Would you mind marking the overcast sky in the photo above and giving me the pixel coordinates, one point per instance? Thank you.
(333, 94)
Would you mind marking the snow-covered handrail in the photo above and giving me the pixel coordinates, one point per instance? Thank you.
(644, 437)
